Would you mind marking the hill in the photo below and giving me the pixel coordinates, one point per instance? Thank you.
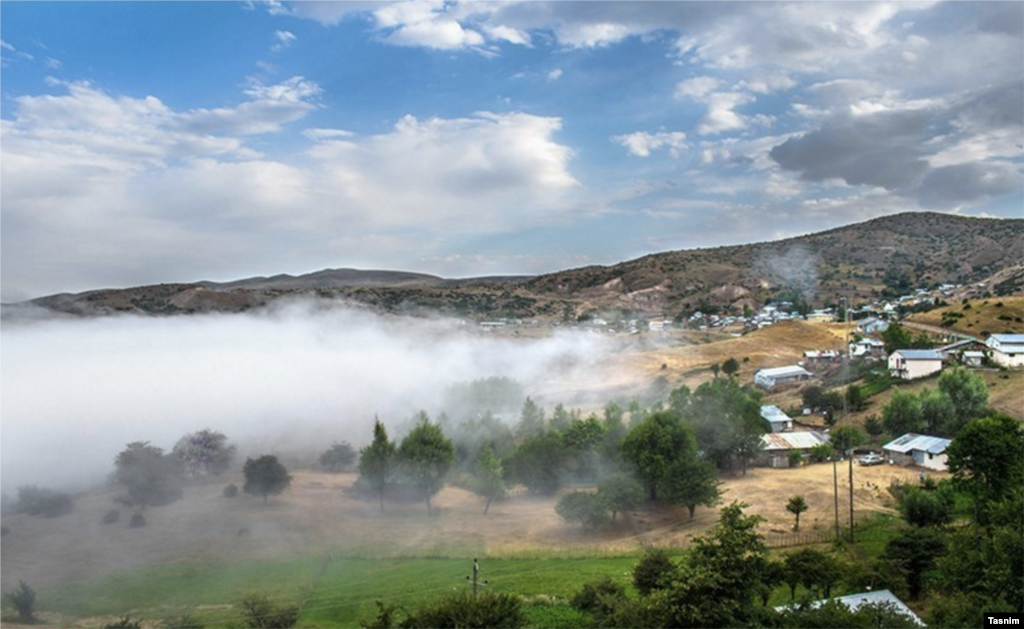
(884, 257)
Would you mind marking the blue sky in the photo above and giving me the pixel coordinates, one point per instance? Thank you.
(147, 142)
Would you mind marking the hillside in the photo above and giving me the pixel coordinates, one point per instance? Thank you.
(887, 256)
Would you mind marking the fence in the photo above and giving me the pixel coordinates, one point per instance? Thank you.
(776, 539)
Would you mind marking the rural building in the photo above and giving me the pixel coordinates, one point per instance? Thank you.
(821, 316)
(778, 445)
(914, 363)
(875, 597)
(867, 347)
(778, 420)
(815, 356)
(1007, 350)
(973, 359)
(920, 450)
(769, 378)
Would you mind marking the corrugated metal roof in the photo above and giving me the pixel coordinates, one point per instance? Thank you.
(919, 354)
(776, 372)
(774, 414)
(792, 440)
(924, 443)
(854, 601)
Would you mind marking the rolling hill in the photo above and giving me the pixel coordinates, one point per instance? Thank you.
(887, 256)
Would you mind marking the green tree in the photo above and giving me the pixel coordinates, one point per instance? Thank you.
(265, 476)
(902, 414)
(654, 445)
(921, 507)
(968, 393)
(620, 492)
(23, 599)
(377, 461)
(489, 476)
(426, 455)
(937, 411)
(338, 457)
(259, 612)
(873, 426)
(726, 420)
(985, 457)
(655, 571)
(490, 610)
(855, 399)
(583, 507)
(531, 420)
(731, 367)
(692, 482)
(715, 368)
(204, 453)
(817, 571)
(896, 337)
(915, 552)
(539, 463)
(796, 506)
(846, 438)
(151, 477)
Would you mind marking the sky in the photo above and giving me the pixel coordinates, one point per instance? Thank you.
(148, 142)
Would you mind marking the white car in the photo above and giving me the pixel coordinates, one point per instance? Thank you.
(872, 459)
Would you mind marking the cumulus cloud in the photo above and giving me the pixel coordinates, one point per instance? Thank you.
(642, 143)
(79, 390)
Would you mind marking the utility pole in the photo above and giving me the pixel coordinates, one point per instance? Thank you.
(846, 398)
(474, 578)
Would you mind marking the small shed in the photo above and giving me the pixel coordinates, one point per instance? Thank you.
(769, 378)
(910, 364)
(973, 359)
(921, 450)
(813, 356)
(777, 446)
(778, 420)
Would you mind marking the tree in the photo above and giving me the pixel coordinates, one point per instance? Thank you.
(985, 456)
(260, 613)
(338, 456)
(796, 506)
(813, 569)
(902, 414)
(151, 477)
(489, 476)
(376, 461)
(715, 368)
(730, 367)
(896, 337)
(426, 455)
(968, 394)
(726, 420)
(692, 482)
(921, 507)
(846, 438)
(489, 610)
(654, 445)
(531, 420)
(539, 462)
(265, 476)
(204, 453)
(24, 601)
(584, 507)
(915, 552)
(937, 411)
(654, 571)
(873, 426)
(620, 492)
(855, 398)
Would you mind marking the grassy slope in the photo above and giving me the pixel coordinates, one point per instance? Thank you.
(996, 315)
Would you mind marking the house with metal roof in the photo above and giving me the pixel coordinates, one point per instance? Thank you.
(914, 363)
(775, 376)
(1006, 349)
(775, 417)
(921, 450)
(776, 446)
(876, 597)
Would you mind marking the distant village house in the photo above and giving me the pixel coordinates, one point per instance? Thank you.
(1007, 350)
(910, 364)
(776, 376)
(778, 445)
(776, 418)
(920, 450)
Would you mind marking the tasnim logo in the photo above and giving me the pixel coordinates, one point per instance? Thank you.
(992, 620)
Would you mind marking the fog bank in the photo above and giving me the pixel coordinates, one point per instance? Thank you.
(75, 391)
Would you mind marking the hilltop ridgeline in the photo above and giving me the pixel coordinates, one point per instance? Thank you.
(886, 255)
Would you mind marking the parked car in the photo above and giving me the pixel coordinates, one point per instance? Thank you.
(872, 459)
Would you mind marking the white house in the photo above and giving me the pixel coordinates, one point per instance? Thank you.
(973, 359)
(867, 347)
(778, 420)
(914, 363)
(769, 378)
(822, 355)
(921, 450)
(875, 597)
(1007, 349)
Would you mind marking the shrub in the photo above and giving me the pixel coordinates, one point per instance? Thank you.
(496, 610)
(138, 521)
(124, 622)
(653, 572)
(260, 613)
(185, 621)
(583, 507)
(45, 502)
(24, 600)
(600, 598)
(111, 516)
(231, 491)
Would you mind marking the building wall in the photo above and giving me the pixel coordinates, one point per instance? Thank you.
(1008, 360)
(913, 369)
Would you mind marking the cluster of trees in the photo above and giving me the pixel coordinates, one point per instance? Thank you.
(671, 452)
(960, 396)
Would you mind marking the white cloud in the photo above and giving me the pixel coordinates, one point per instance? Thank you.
(555, 74)
(283, 39)
(642, 143)
(720, 116)
(697, 88)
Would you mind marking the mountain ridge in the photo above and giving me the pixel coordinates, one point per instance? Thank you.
(861, 261)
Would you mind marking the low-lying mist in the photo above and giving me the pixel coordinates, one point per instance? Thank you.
(76, 391)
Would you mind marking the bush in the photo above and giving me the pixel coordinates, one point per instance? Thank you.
(184, 621)
(600, 598)
(583, 507)
(231, 491)
(124, 622)
(41, 501)
(653, 572)
(260, 613)
(111, 516)
(138, 521)
(464, 610)
(24, 600)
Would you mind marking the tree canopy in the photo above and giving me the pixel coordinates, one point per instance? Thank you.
(377, 460)
(265, 476)
(426, 455)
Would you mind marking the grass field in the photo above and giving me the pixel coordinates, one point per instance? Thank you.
(978, 317)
